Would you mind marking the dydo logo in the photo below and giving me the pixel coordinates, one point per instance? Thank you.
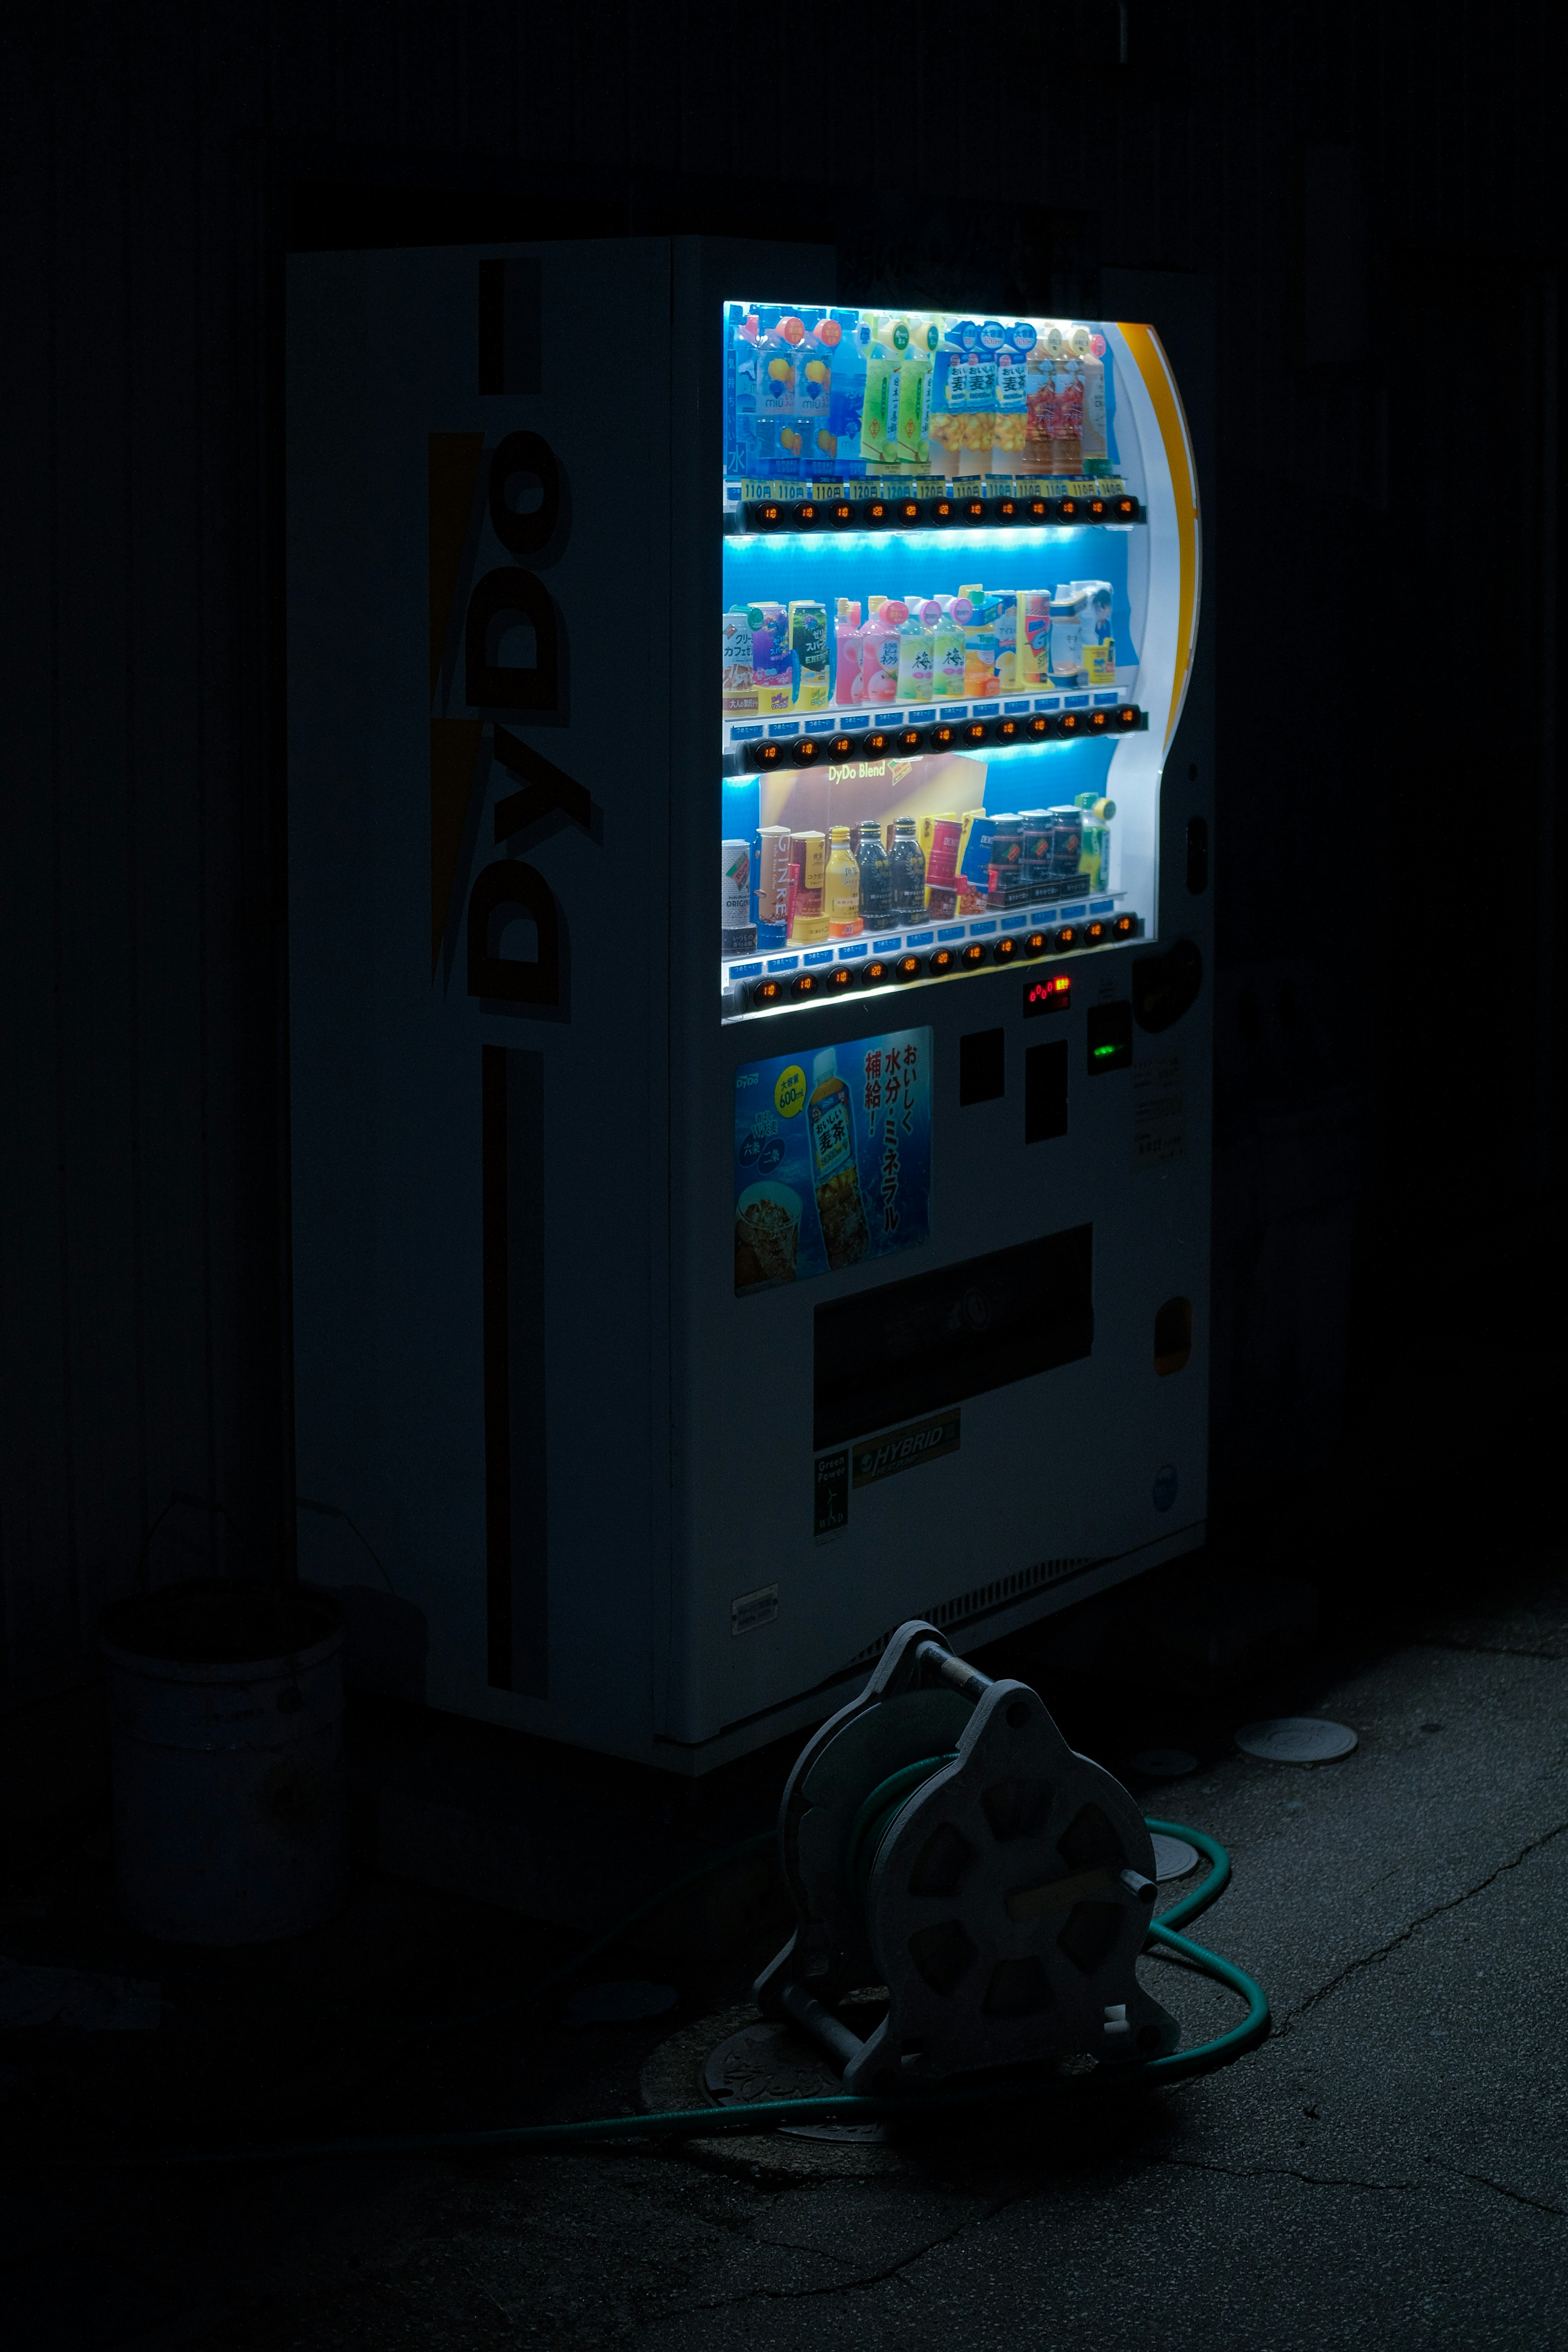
(501, 654)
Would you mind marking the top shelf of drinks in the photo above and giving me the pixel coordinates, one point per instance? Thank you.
(845, 396)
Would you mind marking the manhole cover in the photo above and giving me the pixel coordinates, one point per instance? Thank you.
(1296, 1739)
(768, 2061)
(1163, 1763)
(1173, 1857)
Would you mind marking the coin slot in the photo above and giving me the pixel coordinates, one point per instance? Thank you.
(1172, 1335)
(981, 1066)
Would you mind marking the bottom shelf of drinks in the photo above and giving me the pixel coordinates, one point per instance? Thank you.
(798, 899)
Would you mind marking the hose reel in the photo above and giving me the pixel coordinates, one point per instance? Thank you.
(941, 1838)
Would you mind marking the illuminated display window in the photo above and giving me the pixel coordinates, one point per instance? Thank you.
(950, 657)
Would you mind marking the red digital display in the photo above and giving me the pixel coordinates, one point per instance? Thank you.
(1052, 996)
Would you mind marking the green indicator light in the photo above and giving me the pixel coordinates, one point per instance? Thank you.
(1099, 1052)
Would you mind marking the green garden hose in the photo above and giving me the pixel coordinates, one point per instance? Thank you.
(762, 2115)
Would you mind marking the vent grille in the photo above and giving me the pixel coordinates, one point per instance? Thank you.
(984, 1597)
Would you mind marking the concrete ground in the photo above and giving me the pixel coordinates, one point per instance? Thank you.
(1391, 2169)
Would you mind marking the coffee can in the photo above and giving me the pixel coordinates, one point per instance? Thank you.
(738, 934)
(771, 858)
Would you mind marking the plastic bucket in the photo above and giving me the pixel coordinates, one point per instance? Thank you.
(225, 1711)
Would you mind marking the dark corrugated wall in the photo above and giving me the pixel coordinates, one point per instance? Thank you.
(157, 162)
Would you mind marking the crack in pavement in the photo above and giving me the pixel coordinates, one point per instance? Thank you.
(1277, 2172)
(789, 2246)
(851, 2286)
(1483, 2180)
(1283, 2024)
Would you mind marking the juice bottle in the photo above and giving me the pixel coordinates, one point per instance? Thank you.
(1099, 645)
(814, 390)
(1094, 849)
(781, 337)
(741, 392)
(881, 386)
(1034, 666)
(980, 422)
(944, 423)
(947, 649)
(1006, 638)
(1069, 605)
(1095, 435)
(841, 887)
(772, 668)
(907, 864)
(808, 651)
(1012, 398)
(876, 877)
(850, 648)
(830, 1117)
(881, 665)
(1067, 424)
(846, 398)
(909, 433)
(739, 687)
(916, 647)
(981, 646)
(1039, 409)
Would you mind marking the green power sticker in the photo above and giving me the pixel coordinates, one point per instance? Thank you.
(831, 1492)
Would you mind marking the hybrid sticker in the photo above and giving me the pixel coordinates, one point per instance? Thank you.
(907, 1448)
(834, 1169)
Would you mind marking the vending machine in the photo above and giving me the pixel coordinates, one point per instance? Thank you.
(750, 1041)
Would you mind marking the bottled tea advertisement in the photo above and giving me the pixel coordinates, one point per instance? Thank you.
(832, 1159)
